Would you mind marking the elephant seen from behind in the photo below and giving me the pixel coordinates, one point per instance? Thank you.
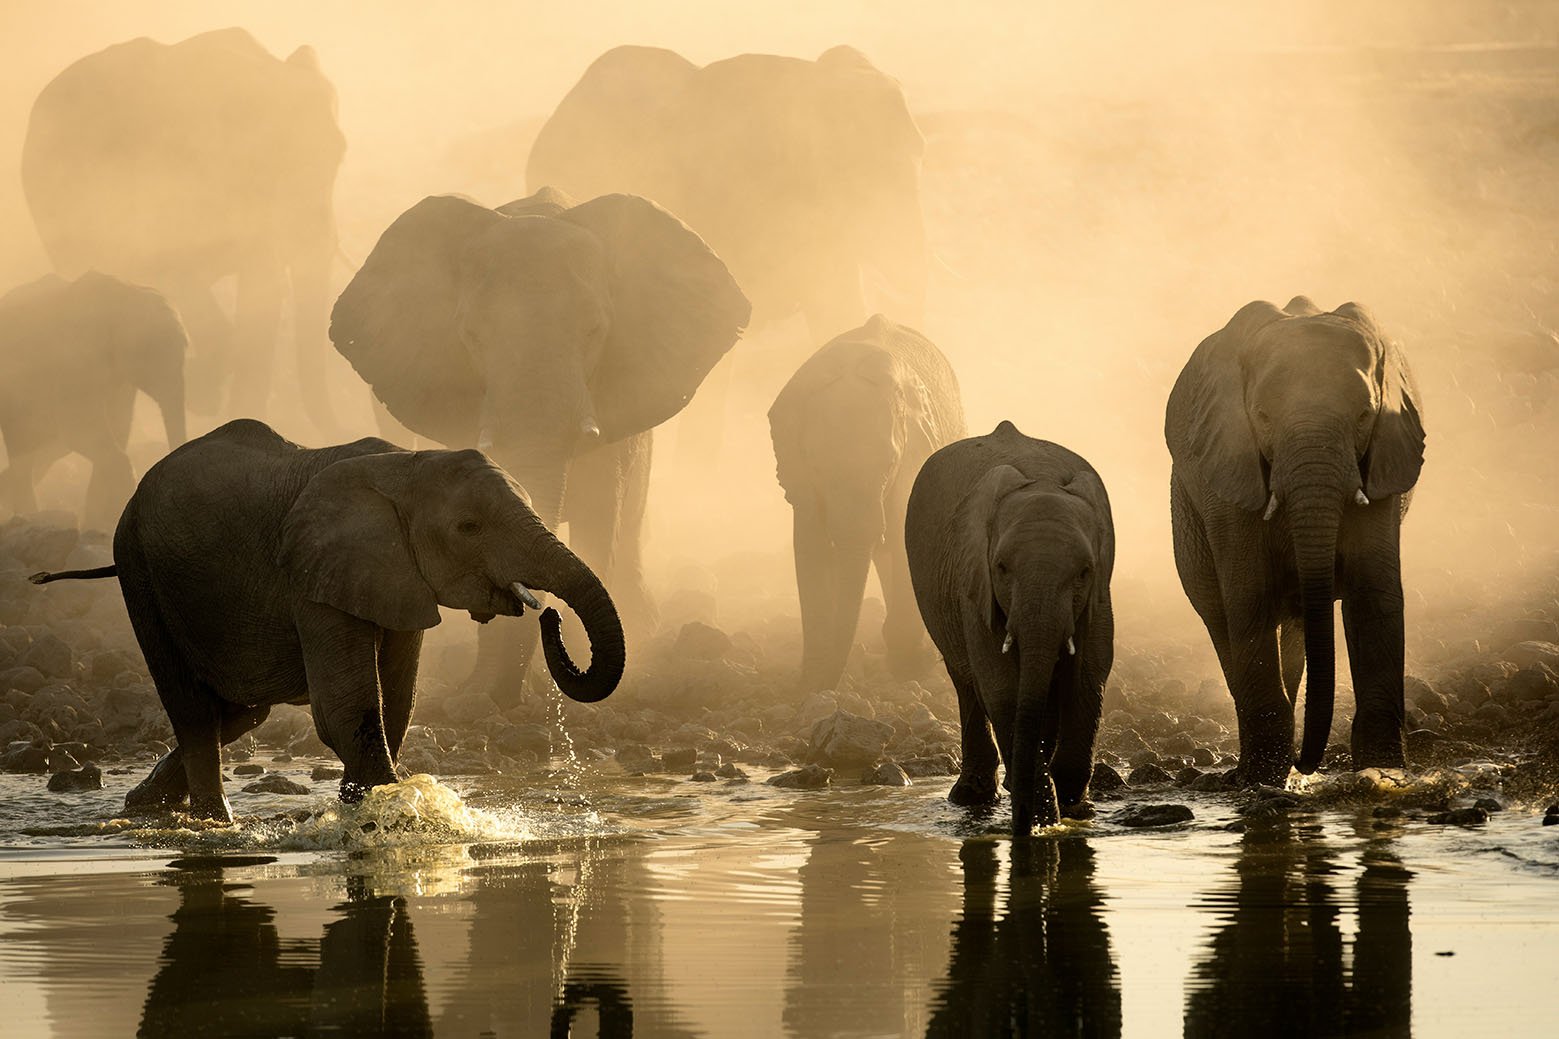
(851, 430)
(1296, 440)
(1011, 547)
(257, 572)
(73, 355)
(554, 336)
(179, 165)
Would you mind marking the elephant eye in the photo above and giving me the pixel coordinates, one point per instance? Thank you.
(1001, 568)
(469, 527)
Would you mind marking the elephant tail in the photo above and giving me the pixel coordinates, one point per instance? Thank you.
(95, 574)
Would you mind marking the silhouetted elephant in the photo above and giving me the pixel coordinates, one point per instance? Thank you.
(554, 336)
(851, 430)
(1278, 966)
(1039, 966)
(1296, 440)
(178, 165)
(257, 572)
(73, 354)
(1011, 548)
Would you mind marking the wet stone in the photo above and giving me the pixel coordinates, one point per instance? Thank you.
(62, 760)
(50, 656)
(1202, 757)
(1154, 815)
(1187, 775)
(1473, 816)
(930, 765)
(248, 769)
(700, 641)
(886, 774)
(729, 770)
(808, 777)
(1105, 778)
(1208, 783)
(1144, 775)
(318, 773)
(843, 740)
(1551, 817)
(636, 758)
(702, 777)
(1489, 805)
(87, 777)
(276, 783)
(680, 760)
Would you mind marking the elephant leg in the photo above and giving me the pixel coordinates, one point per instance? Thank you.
(399, 653)
(341, 661)
(197, 725)
(1291, 656)
(112, 483)
(1373, 625)
(903, 631)
(209, 365)
(977, 772)
(254, 339)
(632, 594)
(1265, 715)
(815, 586)
(701, 430)
(165, 788)
(608, 495)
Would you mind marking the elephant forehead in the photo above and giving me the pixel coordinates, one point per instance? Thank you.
(536, 246)
(1042, 507)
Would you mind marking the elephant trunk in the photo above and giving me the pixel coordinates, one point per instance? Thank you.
(1314, 487)
(565, 575)
(310, 320)
(172, 408)
(1038, 648)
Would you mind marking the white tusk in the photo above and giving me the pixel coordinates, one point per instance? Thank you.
(484, 440)
(1272, 506)
(589, 430)
(1071, 647)
(1006, 643)
(525, 595)
(1359, 498)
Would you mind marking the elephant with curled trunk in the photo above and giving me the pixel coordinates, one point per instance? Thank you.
(851, 429)
(554, 336)
(179, 165)
(257, 572)
(1296, 437)
(73, 355)
(1011, 547)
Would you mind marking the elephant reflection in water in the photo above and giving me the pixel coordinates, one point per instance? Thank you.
(1278, 965)
(1044, 965)
(225, 970)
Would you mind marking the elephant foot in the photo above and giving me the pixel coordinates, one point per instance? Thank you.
(973, 790)
(214, 808)
(164, 790)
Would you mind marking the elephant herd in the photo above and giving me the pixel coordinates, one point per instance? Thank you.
(540, 342)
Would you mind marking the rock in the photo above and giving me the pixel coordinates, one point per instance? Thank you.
(1551, 817)
(930, 765)
(808, 777)
(1208, 783)
(845, 740)
(700, 641)
(467, 709)
(702, 777)
(1525, 654)
(886, 774)
(276, 783)
(636, 758)
(1180, 745)
(50, 656)
(1473, 816)
(1105, 779)
(27, 679)
(729, 770)
(1188, 775)
(321, 772)
(62, 760)
(25, 757)
(680, 760)
(1203, 757)
(536, 739)
(87, 777)
(1489, 805)
(1537, 682)
(1154, 815)
(248, 769)
(1420, 740)
(1144, 775)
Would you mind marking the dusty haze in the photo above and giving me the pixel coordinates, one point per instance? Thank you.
(1102, 190)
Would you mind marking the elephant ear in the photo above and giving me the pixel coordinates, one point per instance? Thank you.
(676, 310)
(1206, 427)
(345, 544)
(976, 521)
(1395, 455)
(1085, 484)
(398, 320)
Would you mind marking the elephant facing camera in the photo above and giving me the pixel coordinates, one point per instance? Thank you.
(1011, 547)
(257, 572)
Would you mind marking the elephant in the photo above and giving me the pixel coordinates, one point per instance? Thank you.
(73, 354)
(851, 429)
(1295, 438)
(179, 165)
(804, 176)
(1011, 547)
(256, 572)
(555, 336)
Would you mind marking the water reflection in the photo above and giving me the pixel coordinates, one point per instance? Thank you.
(1278, 965)
(1041, 965)
(225, 970)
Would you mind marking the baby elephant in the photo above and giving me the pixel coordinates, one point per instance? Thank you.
(1011, 546)
(72, 356)
(257, 572)
(851, 429)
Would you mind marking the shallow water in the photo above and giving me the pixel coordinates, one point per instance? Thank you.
(651, 906)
